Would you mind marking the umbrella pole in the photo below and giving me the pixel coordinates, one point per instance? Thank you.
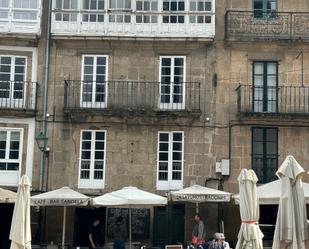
(130, 227)
(196, 208)
(63, 225)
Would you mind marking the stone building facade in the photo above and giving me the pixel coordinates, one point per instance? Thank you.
(153, 94)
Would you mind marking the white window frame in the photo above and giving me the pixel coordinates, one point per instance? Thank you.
(142, 15)
(11, 10)
(12, 175)
(98, 13)
(92, 183)
(170, 184)
(171, 105)
(11, 102)
(93, 103)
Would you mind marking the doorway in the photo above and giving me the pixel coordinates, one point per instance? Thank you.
(169, 225)
(6, 212)
(83, 221)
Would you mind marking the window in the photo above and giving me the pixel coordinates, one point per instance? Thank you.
(170, 160)
(12, 80)
(264, 8)
(93, 6)
(94, 77)
(265, 87)
(68, 5)
(10, 149)
(265, 153)
(120, 4)
(201, 6)
(142, 7)
(20, 9)
(92, 159)
(174, 6)
(172, 86)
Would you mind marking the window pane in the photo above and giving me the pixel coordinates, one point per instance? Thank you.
(86, 135)
(164, 137)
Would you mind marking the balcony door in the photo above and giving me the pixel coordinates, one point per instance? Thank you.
(12, 81)
(265, 87)
(172, 83)
(94, 85)
(264, 8)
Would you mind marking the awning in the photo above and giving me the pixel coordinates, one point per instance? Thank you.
(199, 194)
(129, 196)
(269, 193)
(7, 196)
(60, 197)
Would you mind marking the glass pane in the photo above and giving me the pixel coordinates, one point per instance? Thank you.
(272, 68)
(99, 155)
(164, 137)
(100, 136)
(177, 136)
(257, 134)
(86, 135)
(208, 6)
(4, 3)
(257, 148)
(258, 68)
(177, 155)
(271, 135)
(12, 166)
(163, 156)
(193, 5)
(163, 147)
(163, 166)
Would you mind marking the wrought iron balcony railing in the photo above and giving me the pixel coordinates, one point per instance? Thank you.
(131, 96)
(282, 100)
(18, 95)
(257, 25)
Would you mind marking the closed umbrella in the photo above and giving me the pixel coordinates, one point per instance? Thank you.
(20, 233)
(291, 227)
(250, 235)
(62, 197)
(129, 196)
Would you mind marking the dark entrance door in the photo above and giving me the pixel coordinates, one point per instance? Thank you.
(83, 221)
(169, 225)
(6, 212)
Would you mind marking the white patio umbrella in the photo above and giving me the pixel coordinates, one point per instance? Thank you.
(270, 193)
(62, 197)
(291, 227)
(20, 233)
(250, 235)
(198, 194)
(129, 196)
(7, 196)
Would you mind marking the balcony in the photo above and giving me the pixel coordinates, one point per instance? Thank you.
(137, 19)
(273, 101)
(18, 98)
(255, 25)
(22, 17)
(132, 98)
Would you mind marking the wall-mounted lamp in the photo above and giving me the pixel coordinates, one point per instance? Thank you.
(41, 141)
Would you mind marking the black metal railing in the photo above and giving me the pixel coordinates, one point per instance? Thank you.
(19, 95)
(246, 25)
(132, 95)
(291, 100)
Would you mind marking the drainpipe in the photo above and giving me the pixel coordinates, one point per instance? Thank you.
(45, 104)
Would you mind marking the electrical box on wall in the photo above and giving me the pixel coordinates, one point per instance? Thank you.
(218, 167)
(225, 167)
